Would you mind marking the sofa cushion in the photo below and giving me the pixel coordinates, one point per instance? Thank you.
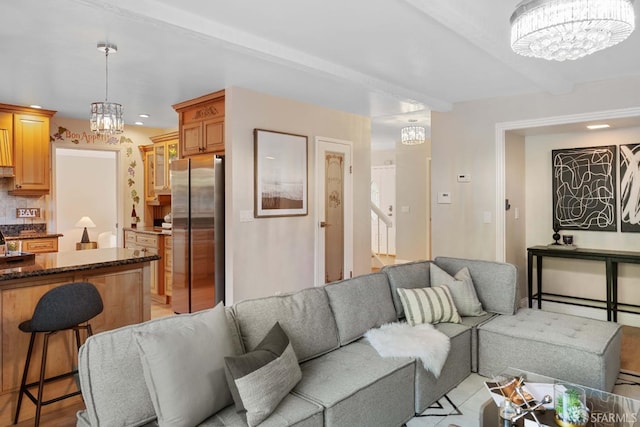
(305, 316)
(293, 411)
(570, 348)
(408, 275)
(260, 379)
(183, 364)
(462, 290)
(357, 387)
(349, 296)
(496, 283)
(428, 305)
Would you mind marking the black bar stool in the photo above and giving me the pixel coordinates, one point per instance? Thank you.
(62, 308)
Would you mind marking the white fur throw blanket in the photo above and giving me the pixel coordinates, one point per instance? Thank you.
(422, 341)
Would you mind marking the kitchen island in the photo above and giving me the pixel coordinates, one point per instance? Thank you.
(121, 276)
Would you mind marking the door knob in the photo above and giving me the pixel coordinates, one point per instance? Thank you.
(324, 224)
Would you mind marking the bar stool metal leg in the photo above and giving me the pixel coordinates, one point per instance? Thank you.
(24, 376)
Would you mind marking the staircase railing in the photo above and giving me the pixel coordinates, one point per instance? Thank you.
(381, 217)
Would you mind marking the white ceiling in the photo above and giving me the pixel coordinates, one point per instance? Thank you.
(392, 60)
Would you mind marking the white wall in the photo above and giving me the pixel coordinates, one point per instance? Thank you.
(412, 196)
(266, 256)
(463, 140)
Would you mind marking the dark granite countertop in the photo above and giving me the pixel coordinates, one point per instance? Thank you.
(146, 230)
(63, 262)
(31, 236)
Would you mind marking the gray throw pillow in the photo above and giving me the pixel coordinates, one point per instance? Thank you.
(260, 379)
(183, 364)
(462, 290)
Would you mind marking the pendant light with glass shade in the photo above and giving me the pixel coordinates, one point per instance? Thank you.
(413, 135)
(569, 29)
(107, 117)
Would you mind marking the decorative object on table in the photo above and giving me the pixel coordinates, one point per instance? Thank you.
(584, 188)
(280, 171)
(106, 117)
(507, 413)
(556, 235)
(567, 239)
(3, 245)
(562, 30)
(629, 158)
(571, 408)
(85, 222)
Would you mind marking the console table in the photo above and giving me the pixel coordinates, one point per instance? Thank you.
(611, 259)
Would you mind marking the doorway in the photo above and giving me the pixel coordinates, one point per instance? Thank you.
(383, 195)
(334, 215)
(85, 185)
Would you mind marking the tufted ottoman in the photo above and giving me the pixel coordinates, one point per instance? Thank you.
(571, 348)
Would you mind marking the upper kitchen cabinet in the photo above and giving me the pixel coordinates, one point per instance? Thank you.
(201, 125)
(165, 150)
(31, 149)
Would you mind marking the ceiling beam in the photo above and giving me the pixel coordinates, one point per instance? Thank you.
(240, 41)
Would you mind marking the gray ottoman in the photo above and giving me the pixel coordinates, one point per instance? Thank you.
(571, 348)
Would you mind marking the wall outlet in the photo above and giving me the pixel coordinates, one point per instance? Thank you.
(404, 209)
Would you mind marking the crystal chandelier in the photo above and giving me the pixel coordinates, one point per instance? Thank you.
(106, 117)
(412, 135)
(569, 29)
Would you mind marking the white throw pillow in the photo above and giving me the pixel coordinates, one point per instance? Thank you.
(183, 362)
(462, 289)
(428, 305)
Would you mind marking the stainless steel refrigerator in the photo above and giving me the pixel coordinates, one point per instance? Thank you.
(197, 208)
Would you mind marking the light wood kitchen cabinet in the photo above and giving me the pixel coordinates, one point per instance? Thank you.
(39, 246)
(148, 158)
(165, 150)
(168, 266)
(31, 150)
(201, 125)
(150, 244)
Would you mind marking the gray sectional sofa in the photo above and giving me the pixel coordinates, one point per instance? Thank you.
(344, 381)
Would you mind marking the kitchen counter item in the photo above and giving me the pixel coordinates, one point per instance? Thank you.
(15, 259)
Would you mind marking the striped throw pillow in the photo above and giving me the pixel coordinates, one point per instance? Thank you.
(428, 305)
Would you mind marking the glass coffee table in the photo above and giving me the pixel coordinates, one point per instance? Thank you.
(604, 409)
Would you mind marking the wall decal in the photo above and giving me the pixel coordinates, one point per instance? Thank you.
(630, 188)
(584, 188)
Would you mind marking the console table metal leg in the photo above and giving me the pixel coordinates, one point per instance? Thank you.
(610, 301)
(530, 278)
(614, 291)
(539, 278)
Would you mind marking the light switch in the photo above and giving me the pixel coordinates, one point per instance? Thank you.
(487, 217)
(444, 197)
(516, 213)
(464, 177)
(404, 209)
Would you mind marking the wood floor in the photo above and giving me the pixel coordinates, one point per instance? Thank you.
(630, 360)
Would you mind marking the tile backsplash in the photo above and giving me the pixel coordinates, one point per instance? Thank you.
(9, 223)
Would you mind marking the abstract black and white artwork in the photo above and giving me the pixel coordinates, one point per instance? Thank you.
(630, 188)
(584, 188)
